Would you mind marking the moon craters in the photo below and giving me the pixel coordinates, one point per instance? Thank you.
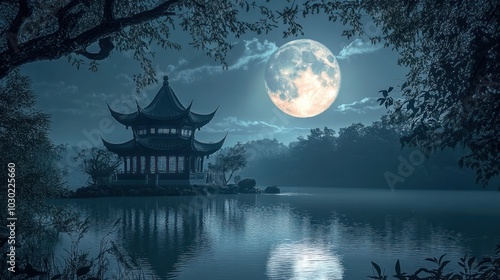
(302, 78)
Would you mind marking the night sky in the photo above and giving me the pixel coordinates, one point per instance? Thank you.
(76, 98)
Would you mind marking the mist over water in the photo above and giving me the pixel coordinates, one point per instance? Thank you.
(303, 233)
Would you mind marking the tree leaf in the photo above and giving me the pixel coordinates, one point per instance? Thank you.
(441, 267)
(398, 268)
(441, 258)
(83, 270)
(471, 261)
(377, 268)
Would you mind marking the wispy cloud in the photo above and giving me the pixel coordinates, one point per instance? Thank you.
(125, 79)
(234, 125)
(361, 106)
(57, 89)
(356, 47)
(81, 107)
(51, 96)
(254, 51)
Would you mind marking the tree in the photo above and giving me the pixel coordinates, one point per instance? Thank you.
(24, 145)
(450, 48)
(47, 30)
(99, 164)
(229, 161)
(264, 148)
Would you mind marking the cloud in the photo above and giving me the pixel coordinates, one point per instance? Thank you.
(234, 125)
(126, 80)
(254, 51)
(361, 106)
(356, 47)
(55, 89)
(61, 98)
(81, 107)
(93, 104)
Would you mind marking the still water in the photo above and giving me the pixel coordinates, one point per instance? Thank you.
(302, 233)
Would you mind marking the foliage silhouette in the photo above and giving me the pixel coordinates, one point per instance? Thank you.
(356, 156)
(77, 263)
(99, 164)
(229, 161)
(486, 269)
(24, 142)
(450, 95)
(48, 30)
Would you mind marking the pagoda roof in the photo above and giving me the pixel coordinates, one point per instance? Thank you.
(165, 108)
(164, 144)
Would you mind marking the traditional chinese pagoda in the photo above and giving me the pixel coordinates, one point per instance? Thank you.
(163, 150)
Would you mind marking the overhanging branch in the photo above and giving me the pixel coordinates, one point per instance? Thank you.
(57, 44)
(23, 13)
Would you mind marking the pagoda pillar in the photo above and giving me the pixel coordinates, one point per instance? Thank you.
(137, 164)
(125, 167)
(156, 169)
(131, 164)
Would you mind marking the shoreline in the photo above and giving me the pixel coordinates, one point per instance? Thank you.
(174, 190)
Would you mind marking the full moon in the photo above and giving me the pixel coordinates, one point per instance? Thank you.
(302, 78)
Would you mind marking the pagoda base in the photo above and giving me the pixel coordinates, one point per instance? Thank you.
(158, 180)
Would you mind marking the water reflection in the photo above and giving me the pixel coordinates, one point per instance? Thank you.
(311, 236)
(304, 261)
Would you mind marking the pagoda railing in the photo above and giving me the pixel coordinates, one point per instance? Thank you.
(120, 174)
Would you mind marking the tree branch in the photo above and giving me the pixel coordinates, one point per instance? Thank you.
(64, 11)
(67, 20)
(57, 44)
(108, 10)
(23, 13)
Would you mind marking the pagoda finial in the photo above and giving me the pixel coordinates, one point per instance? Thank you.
(165, 80)
(138, 106)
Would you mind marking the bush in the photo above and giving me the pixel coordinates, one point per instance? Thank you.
(472, 269)
(78, 264)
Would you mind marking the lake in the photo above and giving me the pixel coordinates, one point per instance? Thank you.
(302, 233)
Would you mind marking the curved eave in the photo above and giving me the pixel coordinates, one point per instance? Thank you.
(125, 119)
(200, 120)
(208, 148)
(119, 148)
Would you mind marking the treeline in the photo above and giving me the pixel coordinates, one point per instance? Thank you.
(355, 156)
